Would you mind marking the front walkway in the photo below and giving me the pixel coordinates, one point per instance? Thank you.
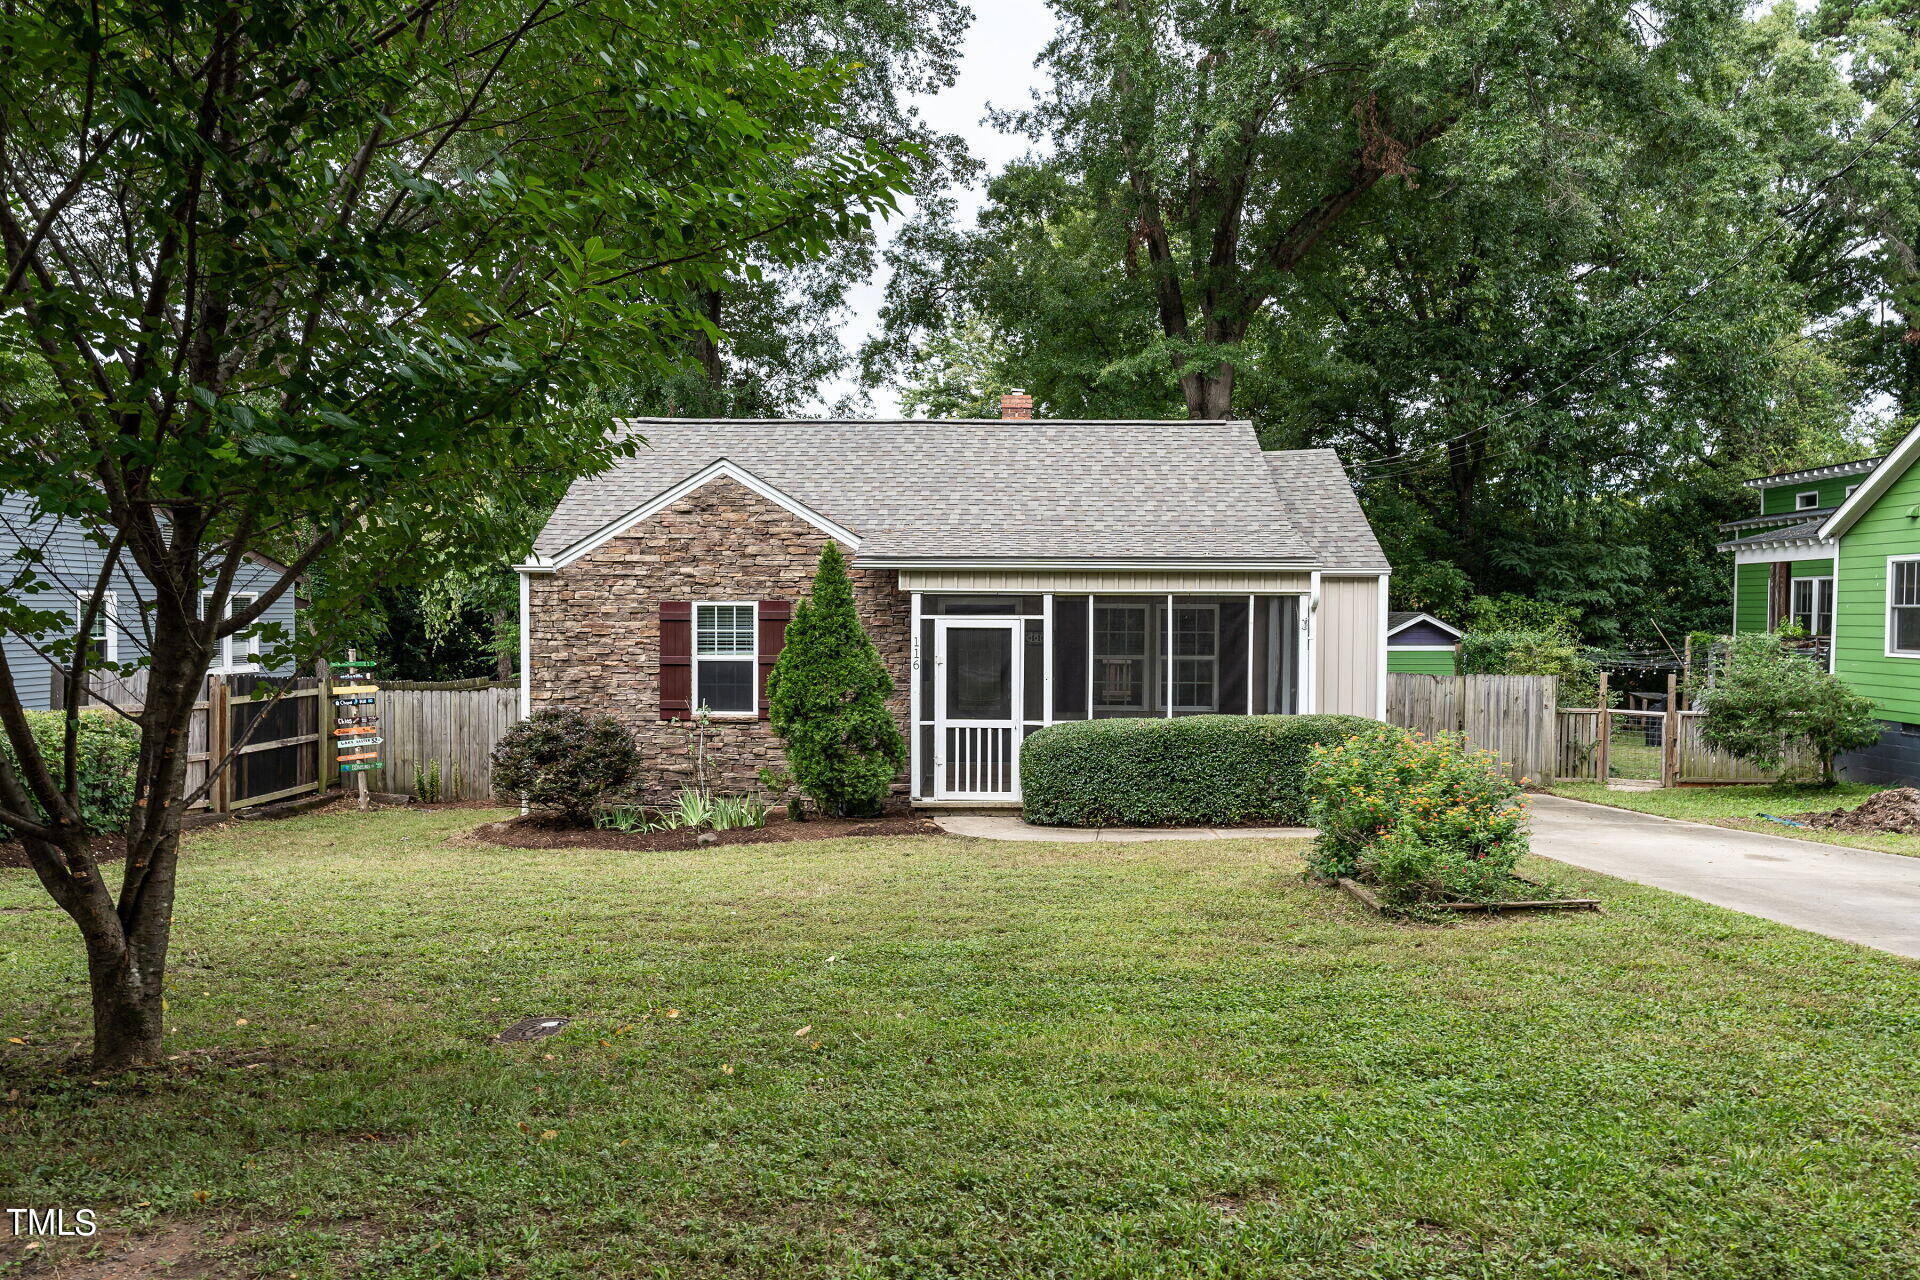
(1011, 826)
(1854, 894)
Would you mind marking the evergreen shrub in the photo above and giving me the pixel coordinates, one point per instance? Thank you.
(1185, 771)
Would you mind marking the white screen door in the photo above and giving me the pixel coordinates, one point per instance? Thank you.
(976, 739)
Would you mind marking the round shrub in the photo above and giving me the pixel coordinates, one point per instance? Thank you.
(1187, 771)
(108, 750)
(1425, 819)
(563, 761)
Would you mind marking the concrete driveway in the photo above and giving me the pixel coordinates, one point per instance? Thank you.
(1854, 894)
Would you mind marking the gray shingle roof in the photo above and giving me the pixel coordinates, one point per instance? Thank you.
(1007, 490)
(1315, 494)
(1399, 619)
(1809, 531)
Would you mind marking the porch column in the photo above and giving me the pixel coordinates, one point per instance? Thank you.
(1166, 656)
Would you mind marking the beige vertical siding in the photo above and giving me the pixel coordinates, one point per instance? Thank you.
(1349, 646)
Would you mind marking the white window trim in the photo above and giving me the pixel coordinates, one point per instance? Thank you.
(227, 666)
(752, 659)
(110, 617)
(1886, 617)
(1800, 503)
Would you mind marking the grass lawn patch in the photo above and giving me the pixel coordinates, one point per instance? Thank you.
(1739, 806)
(917, 1057)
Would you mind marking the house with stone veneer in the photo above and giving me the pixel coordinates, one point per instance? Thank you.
(1012, 572)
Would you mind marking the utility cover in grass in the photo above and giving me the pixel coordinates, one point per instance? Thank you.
(531, 1029)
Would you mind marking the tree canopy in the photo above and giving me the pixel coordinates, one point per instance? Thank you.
(1552, 276)
(303, 278)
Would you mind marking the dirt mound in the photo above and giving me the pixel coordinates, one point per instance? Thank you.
(1897, 810)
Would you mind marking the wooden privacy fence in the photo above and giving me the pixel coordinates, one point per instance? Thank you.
(1511, 716)
(456, 724)
(278, 749)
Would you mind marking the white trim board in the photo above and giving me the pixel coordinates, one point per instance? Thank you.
(1418, 618)
(1776, 555)
(723, 469)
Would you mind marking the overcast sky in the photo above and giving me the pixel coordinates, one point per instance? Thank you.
(996, 69)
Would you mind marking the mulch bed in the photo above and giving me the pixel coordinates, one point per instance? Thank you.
(536, 832)
(1896, 811)
(105, 849)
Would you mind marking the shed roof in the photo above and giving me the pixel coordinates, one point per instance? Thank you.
(992, 490)
(1399, 621)
(1807, 532)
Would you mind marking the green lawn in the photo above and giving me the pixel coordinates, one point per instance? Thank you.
(960, 1059)
(1741, 806)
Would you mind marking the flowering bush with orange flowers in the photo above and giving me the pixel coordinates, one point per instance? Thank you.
(1424, 819)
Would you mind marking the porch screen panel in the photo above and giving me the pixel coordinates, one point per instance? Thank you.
(1233, 657)
(1034, 669)
(1129, 656)
(1070, 657)
(1276, 655)
(926, 669)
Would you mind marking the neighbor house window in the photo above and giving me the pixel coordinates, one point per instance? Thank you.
(1903, 606)
(1851, 488)
(1813, 605)
(1806, 501)
(239, 652)
(725, 654)
(103, 637)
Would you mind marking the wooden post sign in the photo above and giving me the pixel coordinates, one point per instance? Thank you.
(356, 725)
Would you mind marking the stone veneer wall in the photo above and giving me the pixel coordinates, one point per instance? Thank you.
(595, 625)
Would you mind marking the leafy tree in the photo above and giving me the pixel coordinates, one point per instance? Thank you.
(1549, 375)
(304, 278)
(1768, 703)
(827, 696)
(1549, 651)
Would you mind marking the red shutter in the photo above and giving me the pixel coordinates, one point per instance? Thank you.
(676, 659)
(773, 638)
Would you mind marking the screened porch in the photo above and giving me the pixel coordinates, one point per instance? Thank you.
(990, 669)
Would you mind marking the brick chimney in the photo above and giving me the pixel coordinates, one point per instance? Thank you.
(1016, 404)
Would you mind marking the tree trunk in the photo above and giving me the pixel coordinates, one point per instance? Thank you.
(707, 348)
(502, 658)
(1209, 395)
(128, 1017)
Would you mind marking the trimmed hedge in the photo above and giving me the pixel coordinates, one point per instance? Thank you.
(1187, 771)
(109, 752)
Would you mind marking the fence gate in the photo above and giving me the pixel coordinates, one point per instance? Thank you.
(1512, 716)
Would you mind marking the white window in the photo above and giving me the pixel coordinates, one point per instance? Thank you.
(1196, 642)
(103, 637)
(1806, 501)
(1851, 488)
(1812, 608)
(1903, 606)
(239, 652)
(726, 655)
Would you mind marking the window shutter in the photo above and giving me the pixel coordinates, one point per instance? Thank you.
(773, 638)
(676, 660)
